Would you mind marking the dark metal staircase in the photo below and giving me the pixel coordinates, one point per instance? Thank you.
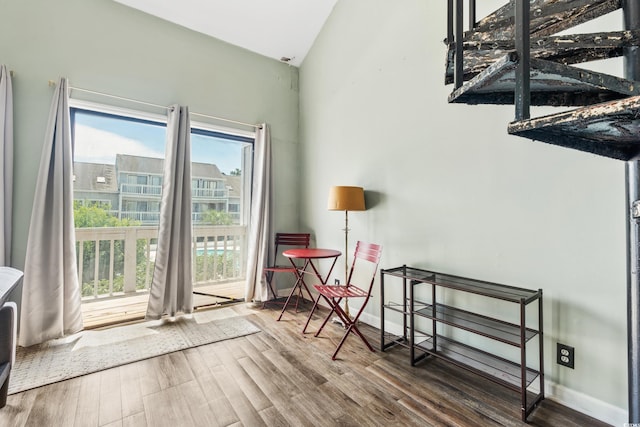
(603, 126)
(514, 56)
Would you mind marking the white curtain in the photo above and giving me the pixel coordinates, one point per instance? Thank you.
(51, 301)
(172, 285)
(6, 163)
(260, 218)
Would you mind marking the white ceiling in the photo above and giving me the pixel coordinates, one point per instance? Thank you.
(274, 28)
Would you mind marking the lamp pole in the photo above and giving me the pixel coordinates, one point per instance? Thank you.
(346, 198)
(346, 258)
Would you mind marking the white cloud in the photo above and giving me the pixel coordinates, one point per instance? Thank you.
(100, 146)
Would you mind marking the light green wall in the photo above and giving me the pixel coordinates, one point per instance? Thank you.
(449, 190)
(107, 47)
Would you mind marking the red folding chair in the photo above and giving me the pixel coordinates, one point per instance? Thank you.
(300, 240)
(363, 269)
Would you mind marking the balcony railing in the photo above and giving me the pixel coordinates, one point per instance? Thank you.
(156, 191)
(154, 217)
(141, 189)
(116, 261)
(141, 216)
(207, 193)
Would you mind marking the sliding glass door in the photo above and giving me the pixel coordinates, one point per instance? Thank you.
(220, 177)
(118, 176)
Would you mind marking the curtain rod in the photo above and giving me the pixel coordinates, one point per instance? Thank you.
(118, 97)
(164, 107)
(227, 120)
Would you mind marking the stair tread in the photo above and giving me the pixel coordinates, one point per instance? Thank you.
(552, 84)
(568, 49)
(547, 17)
(610, 129)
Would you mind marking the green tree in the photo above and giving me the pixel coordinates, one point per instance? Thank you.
(236, 172)
(217, 217)
(96, 217)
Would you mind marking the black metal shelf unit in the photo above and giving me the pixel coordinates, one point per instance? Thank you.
(516, 375)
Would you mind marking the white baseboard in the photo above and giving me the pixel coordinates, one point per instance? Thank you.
(586, 404)
(575, 400)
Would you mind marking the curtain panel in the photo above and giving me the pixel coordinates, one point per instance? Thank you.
(260, 217)
(51, 298)
(171, 289)
(6, 163)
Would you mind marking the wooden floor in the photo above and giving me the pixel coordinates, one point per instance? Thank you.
(103, 312)
(279, 377)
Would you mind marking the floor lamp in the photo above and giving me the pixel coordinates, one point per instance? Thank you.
(346, 199)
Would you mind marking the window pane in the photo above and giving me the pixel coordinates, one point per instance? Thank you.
(218, 190)
(117, 188)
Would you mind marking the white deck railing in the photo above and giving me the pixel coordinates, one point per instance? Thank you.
(115, 261)
(156, 191)
(141, 189)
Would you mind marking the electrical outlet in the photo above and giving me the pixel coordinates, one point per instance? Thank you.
(565, 356)
(336, 281)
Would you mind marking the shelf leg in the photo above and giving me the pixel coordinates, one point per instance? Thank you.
(404, 304)
(523, 359)
(381, 310)
(541, 345)
(412, 350)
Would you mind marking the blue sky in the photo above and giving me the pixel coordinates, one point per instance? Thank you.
(99, 138)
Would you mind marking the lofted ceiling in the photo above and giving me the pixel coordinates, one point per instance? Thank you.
(280, 29)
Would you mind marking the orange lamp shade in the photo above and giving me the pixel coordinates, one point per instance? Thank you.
(343, 198)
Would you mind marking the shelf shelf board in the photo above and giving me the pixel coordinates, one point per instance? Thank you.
(391, 340)
(472, 322)
(480, 287)
(497, 369)
(398, 307)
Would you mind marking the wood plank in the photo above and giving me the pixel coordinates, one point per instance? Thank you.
(167, 408)
(148, 378)
(206, 416)
(110, 408)
(18, 408)
(131, 390)
(217, 401)
(241, 405)
(135, 420)
(390, 412)
(196, 362)
(273, 418)
(172, 370)
(87, 411)
(198, 404)
(285, 403)
(246, 383)
(60, 411)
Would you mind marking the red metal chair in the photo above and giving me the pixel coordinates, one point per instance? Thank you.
(363, 269)
(290, 240)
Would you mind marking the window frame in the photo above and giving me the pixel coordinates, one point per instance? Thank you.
(198, 127)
